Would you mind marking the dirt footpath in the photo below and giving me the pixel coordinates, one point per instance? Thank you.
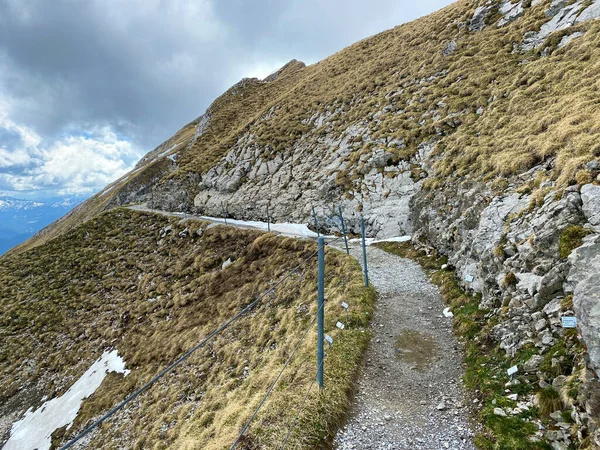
(410, 393)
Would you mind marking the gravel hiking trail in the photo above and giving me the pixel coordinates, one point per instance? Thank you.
(409, 393)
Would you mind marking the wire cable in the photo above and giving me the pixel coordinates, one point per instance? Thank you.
(268, 393)
(303, 404)
(300, 409)
(185, 356)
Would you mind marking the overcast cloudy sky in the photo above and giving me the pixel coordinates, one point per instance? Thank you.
(89, 86)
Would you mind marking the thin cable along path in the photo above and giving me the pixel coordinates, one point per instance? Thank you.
(254, 303)
(409, 393)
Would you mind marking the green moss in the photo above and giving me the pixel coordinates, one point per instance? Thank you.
(567, 417)
(571, 238)
(509, 433)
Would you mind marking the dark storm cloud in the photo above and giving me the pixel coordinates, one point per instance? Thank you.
(143, 68)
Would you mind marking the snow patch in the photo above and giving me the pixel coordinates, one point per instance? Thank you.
(287, 229)
(105, 191)
(35, 429)
(394, 239)
(167, 151)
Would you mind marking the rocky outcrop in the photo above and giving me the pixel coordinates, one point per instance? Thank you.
(584, 283)
(563, 16)
(590, 196)
(478, 20)
(510, 12)
(248, 179)
(506, 246)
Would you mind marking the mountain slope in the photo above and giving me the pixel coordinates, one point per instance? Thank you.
(474, 129)
(478, 104)
(151, 288)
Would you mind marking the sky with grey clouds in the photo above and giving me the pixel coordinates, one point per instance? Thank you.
(87, 87)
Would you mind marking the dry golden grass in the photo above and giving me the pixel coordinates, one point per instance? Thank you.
(535, 107)
(110, 284)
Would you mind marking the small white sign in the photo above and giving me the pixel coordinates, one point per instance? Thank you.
(569, 322)
(469, 278)
(511, 371)
(340, 325)
(344, 305)
(329, 339)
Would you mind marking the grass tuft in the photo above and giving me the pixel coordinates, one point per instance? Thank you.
(570, 239)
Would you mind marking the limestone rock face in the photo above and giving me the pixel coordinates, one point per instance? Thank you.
(562, 16)
(590, 196)
(510, 12)
(584, 280)
(479, 16)
(246, 181)
(507, 249)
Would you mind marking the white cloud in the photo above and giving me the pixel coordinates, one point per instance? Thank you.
(261, 70)
(72, 164)
(10, 159)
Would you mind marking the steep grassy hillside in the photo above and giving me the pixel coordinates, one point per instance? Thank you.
(535, 105)
(152, 287)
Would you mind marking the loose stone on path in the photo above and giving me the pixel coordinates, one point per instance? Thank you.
(409, 394)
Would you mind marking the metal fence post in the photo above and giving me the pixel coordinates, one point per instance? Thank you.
(224, 212)
(321, 311)
(344, 231)
(364, 248)
(268, 220)
(316, 222)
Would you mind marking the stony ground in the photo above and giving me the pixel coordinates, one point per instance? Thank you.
(409, 394)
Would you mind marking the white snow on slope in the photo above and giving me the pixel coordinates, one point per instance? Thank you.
(105, 191)
(287, 229)
(293, 229)
(35, 429)
(167, 151)
(393, 239)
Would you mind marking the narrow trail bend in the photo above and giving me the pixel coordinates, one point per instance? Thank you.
(409, 394)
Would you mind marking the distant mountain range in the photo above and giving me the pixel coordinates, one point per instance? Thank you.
(21, 219)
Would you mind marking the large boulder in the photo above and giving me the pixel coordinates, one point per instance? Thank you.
(584, 281)
(590, 196)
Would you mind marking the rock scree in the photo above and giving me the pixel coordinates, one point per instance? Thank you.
(409, 394)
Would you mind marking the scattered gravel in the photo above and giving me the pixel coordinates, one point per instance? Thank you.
(409, 394)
